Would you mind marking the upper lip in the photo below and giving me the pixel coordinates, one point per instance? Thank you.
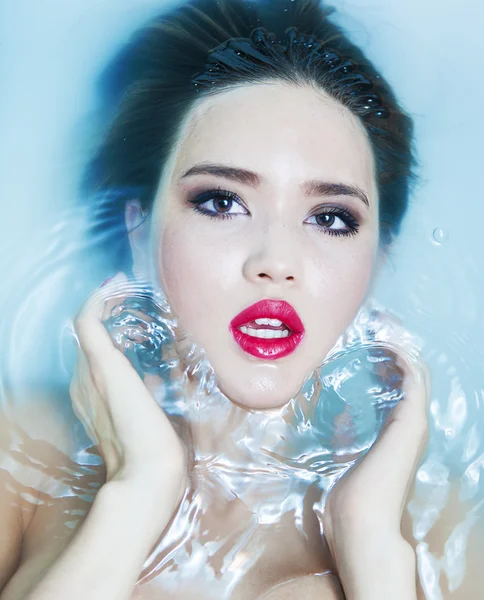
(270, 309)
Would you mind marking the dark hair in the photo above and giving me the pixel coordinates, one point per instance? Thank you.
(207, 46)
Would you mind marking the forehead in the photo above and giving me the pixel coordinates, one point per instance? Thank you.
(284, 132)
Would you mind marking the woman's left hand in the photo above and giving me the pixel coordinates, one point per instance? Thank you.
(364, 509)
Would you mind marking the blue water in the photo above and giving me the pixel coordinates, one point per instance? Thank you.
(433, 279)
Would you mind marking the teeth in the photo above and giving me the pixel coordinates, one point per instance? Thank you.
(273, 322)
(267, 334)
(262, 321)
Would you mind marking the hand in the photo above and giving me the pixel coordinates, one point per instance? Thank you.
(134, 436)
(363, 512)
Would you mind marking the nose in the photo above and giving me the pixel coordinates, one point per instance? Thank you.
(274, 257)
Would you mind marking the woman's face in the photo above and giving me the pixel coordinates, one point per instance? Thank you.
(266, 234)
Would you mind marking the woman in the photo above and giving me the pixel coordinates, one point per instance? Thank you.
(261, 167)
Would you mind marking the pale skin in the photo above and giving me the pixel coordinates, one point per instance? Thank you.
(272, 248)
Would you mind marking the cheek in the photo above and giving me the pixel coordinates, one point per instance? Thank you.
(352, 288)
(338, 290)
(195, 273)
(352, 275)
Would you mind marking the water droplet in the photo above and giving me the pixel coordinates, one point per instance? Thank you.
(439, 235)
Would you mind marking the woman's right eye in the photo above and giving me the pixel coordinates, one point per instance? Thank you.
(219, 204)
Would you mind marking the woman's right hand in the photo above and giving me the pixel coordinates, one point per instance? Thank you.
(135, 438)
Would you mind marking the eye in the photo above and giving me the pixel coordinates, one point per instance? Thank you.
(219, 204)
(335, 221)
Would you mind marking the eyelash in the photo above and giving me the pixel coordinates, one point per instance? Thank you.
(342, 213)
(219, 194)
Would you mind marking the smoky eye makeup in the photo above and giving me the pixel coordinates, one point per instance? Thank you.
(218, 203)
(334, 220)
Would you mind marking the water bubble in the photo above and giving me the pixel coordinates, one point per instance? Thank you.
(440, 235)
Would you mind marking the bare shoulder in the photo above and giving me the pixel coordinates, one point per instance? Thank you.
(309, 587)
(44, 492)
(454, 546)
(11, 528)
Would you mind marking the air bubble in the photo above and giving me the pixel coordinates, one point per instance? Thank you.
(439, 235)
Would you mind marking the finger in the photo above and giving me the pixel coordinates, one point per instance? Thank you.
(79, 405)
(87, 404)
(92, 336)
(392, 461)
(114, 376)
(94, 415)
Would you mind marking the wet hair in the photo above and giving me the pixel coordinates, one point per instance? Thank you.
(204, 47)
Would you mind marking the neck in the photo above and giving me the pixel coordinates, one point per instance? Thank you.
(260, 456)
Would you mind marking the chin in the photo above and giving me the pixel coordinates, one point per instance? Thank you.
(262, 392)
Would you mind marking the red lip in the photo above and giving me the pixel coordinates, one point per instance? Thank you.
(269, 349)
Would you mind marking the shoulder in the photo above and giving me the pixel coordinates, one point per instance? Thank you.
(11, 527)
(39, 448)
(308, 587)
(451, 549)
(44, 491)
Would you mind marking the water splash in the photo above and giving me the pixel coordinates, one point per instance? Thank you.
(272, 461)
(270, 485)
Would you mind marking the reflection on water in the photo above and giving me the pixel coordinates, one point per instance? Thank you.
(276, 465)
(271, 481)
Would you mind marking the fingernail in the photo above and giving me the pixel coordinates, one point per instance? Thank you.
(106, 281)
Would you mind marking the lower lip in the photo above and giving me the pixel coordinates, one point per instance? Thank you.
(268, 349)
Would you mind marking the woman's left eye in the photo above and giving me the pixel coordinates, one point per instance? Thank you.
(335, 221)
(219, 204)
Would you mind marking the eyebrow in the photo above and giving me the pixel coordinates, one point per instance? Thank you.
(313, 187)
